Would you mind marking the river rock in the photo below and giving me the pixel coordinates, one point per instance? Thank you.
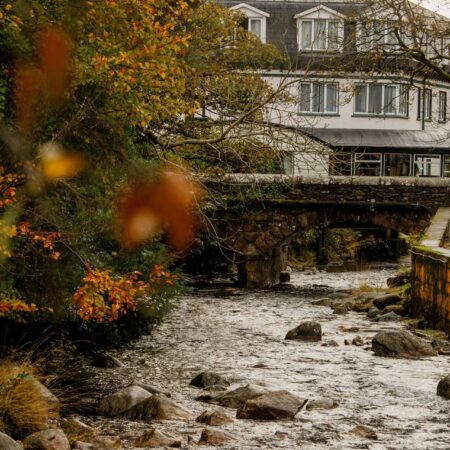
(397, 309)
(122, 400)
(77, 430)
(365, 432)
(322, 403)
(99, 443)
(373, 312)
(214, 418)
(237, 397)
(323, 302)
(7, 443)
(400, 343)
(214, 437)
(276, 405)
(443, 388)
(54, 439)
(157, 407)
(386, 300)
(331, 343)
(208, 379)
(398, 280)
(342, 308)
(306, 331)
(389, 317)
(358, 341)
(152, 389)
(107, 361)
(155, 438)
(43, 391)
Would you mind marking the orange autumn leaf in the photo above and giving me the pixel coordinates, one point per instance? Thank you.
(28, 81)
(54, 47)
(168, 202)
(57, 164)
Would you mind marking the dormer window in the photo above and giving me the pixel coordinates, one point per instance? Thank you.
(256, 22)
(320, 29)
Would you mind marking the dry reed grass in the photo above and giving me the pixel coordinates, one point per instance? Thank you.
(24, 407)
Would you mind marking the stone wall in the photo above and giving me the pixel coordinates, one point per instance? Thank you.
(430, 276)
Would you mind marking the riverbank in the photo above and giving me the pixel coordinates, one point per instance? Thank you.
(242, 338)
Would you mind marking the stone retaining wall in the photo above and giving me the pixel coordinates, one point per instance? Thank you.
(430, 276)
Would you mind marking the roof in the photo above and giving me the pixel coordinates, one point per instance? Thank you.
(394, 139)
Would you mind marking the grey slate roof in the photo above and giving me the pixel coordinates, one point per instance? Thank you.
(391, 139)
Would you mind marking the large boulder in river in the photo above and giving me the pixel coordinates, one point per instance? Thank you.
(276, 405)
(7, 443)
(157, 407)
(386, 300)
(443, 388)
(214, 437)
(53, 439)
(237, 397)
(214, 418)
(400, 343)
(208, 379)
(154, 438)
(306, 331)
(122, 400)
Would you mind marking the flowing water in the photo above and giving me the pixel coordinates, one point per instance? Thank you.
(242, 337)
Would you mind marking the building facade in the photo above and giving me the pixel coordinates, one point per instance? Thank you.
(357, 118)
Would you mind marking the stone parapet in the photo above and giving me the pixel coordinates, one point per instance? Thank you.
(430, 276)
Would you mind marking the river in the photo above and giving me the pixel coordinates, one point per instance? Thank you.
(242, 337)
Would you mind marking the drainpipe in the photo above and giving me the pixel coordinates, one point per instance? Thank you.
(423, 103)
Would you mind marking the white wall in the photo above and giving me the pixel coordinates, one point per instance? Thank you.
(287, 113)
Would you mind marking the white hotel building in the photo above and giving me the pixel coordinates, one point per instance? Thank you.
(354, 121)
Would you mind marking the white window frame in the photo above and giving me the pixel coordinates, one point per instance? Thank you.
(325, 84)
(362, 158)
(371, 43)
(428, 103)
(385, 155)
(253, 13)
(445, 161)
(435, 157)
(401, 91)
(442, 113)
(322, 13)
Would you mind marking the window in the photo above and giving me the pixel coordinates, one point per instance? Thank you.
(442, 106)
(256, 20)
(377, 99)
(319, 34)
(288, 163)
(319, 98)
(367, 164)
(374, 35)
(427, 165)
(446, 166)
(424, 104)
(340, 164)
(397, 165)
(255, 27)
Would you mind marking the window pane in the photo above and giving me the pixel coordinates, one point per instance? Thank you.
(332, 97)
(442, 106)
(403, 100)
(255, 27)
(446, 165)
(427, 165)
(361, 98)
(427, 103)
(320, 31)
(341, 164)
(318, 97)
(375, 98)
(306, 34)
(365, 36)
(397, 165)
(305, 97)
(368, 164)
(390, 37)
(333, 35)
(390, 99)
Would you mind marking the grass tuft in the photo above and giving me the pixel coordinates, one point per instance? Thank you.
(25, 406)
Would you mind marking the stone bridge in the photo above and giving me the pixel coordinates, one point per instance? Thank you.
(260, 214)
